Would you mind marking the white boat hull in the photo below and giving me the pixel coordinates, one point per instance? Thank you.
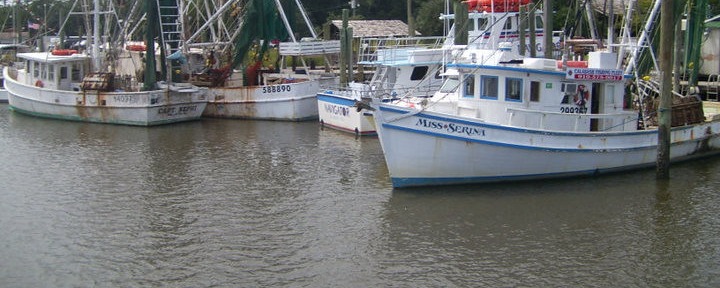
(338, 111)
(425, 148)
(285, 102)
(146, 108)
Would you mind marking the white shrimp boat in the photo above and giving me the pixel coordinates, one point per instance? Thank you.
(403, 66)
(263, 89)
(65, 84)
(50, 86)
(413, 65)
(502, 117)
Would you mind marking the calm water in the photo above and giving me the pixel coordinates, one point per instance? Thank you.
(226, 203)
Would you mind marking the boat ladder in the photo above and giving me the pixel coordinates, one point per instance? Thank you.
(377, 82)
(170, 24)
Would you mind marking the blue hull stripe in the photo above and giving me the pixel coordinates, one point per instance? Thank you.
(339, 100)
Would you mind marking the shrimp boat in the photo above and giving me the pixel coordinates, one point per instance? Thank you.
(503, 117)
(414, 65)
(403, 65)
(247, 72)
(70, 85)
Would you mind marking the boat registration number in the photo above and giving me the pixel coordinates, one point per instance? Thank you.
(276, 88)
(573, 110)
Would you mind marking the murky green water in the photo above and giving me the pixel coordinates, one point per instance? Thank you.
(230, 203)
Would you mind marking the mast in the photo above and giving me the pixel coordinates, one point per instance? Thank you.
(150, 30)
(96, 36)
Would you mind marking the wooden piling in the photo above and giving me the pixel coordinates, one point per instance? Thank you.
(667, 37)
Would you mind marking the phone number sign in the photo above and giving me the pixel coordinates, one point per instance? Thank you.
(594, 74)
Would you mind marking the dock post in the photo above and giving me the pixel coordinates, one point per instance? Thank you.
(548, 29)
(667, 37)
(343, 48)
(461, 22)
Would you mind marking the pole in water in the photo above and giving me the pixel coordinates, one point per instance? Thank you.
(667, 27)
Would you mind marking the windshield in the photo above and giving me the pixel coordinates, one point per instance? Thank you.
(450, 85)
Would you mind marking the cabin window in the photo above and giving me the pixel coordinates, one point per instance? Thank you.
(75, 72)
(534, 91)
(469, 86)
(539, 22)
(569, 91)
(471, 25)
(63, 72)
(489, 87)
(51, 72)
(36, 69)
(513, 89)
(43, 71)
(610, 94)
(482, 24)
(450, 85)
(419, 73)
(508, 24)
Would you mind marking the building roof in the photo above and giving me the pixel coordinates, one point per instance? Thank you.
(376, 28)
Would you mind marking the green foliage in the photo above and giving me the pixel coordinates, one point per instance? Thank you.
(427, 20)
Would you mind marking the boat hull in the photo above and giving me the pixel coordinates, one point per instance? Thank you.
(425, 148)
(145, 108)
(338, 111)
(284, 102)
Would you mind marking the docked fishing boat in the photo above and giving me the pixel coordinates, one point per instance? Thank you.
(70, 85)
(504, 117)
(403, 66)
(414, 65)
(248, 74)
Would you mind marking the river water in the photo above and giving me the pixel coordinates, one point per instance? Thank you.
(232, 203)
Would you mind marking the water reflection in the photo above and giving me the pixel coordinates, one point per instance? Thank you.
(273, 204)
(616, 230)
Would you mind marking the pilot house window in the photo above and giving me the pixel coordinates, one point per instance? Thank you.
(513, 89)
(469, 86)
(534, 91)
(489, 87)
(419, 73)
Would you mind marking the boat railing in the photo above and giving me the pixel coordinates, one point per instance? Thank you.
(375, 51)
(624, 121)
(366, 91)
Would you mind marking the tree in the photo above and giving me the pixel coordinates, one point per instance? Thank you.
(427, 18)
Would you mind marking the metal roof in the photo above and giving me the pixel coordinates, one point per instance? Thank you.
(376, 28)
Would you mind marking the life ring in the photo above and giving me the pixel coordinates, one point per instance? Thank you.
(64, 52)
(39, 83)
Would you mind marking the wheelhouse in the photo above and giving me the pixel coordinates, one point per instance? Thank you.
(57, 72)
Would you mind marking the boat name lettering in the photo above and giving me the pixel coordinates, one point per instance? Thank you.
(451, 127)
(276, 88)
(337, 110)
(172, 111)
(125, 98)
(574, 110)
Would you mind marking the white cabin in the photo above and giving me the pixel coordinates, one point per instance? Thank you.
(536, 93)
(56, 72)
